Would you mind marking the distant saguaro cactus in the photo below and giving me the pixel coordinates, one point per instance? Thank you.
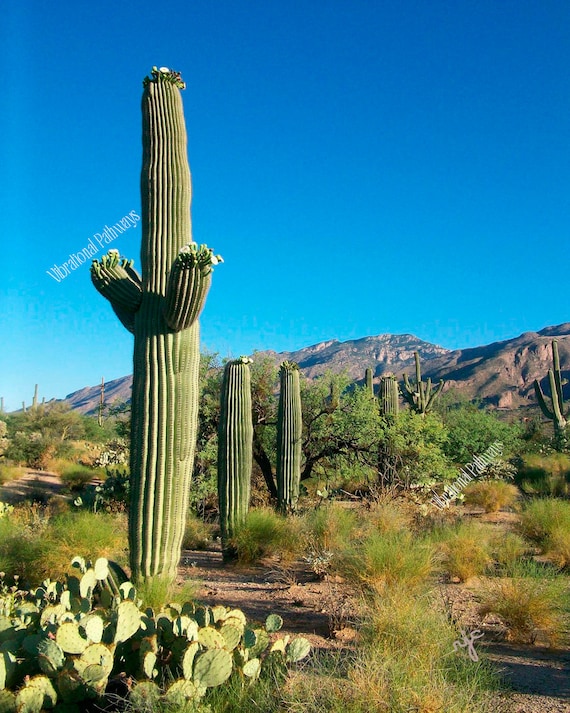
(161, 308)
(289, 434)
(369, 381)
(388, 395)
(235, 449)
(556, 413)
(419, 394)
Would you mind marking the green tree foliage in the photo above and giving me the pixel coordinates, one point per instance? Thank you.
(472, 430)
(45, 432)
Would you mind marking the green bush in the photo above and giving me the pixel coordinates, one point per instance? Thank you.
(75, 476)
(544, 474)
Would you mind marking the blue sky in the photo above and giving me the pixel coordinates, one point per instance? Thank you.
(364, 167)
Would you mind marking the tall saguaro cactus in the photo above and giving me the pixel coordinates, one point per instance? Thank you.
(289, 434)
(161, 308)
(556, 414)
(235, 449)
(420, 395)
(369, 381)
(388, 395)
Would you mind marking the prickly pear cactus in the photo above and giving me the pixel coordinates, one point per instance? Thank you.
(289, 434)
(161, 308)
(235, 445)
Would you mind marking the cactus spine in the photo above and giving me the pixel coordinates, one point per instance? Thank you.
(235, 446)
(388, 395)
(419, 394)
(289, 434)
(161, 308)
(368, 381)
(556, 414)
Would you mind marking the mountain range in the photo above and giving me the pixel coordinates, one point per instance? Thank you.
(500, 374)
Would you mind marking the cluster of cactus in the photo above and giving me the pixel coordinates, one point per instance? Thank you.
(235, 445)
(67, 644)
(289, 435)
(420, 395)
(161, 308)
(556, 412)
(389, 395)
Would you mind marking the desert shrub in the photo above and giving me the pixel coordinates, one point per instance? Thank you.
(198, 534)
(35, 545)
(330, 527)
(491, 495)
(542, 517)
(544, 474)
(266, 533)
(74, 475)
(390, 517)
(381, 561)
(558, 546)
(465, 550)
(531, 602)
(10, 472)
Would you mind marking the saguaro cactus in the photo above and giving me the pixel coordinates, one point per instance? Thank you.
(388, 395)
(161, 308)
(369, 381)
(289, 434)
(235, 449)
(420, 395)
(556, 414)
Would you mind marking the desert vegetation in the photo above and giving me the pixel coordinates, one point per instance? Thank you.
(250, 461)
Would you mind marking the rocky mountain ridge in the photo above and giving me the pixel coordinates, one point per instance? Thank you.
(500, 374)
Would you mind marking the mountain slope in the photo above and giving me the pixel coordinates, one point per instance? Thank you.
(500, 374)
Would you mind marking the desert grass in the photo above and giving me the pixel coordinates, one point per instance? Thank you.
(491, 495)
(532, 601)
(465, 549)
(266, 533)
(197, 534)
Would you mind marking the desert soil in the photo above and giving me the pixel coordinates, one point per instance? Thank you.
(324, 611)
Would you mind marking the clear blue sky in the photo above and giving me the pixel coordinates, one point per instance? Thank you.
(364, 167)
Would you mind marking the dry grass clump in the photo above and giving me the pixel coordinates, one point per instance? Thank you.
(265, 533)
(10, 472)
(465, 549)
(491, 495)
(197, 534)
(508, 548)
(546, 523)
(390, 517)
(531, 602)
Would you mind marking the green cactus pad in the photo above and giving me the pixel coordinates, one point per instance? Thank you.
(181, 691)
(213, 667)
(180, 625)
(45, 686)
(273, 623)
(145, 696)
(29, 700)
(7, 702)
(203, 616)
(261, 643)
(231, 635)
(97, 654)
(280, 644)
(93, 626)
(51, 614)
(211, 638)
(50, 656)
(298, 649)
(249, 638)
(188, 659)
(149, 665)
(219, 613)
(101, 568)
(252, 668)
(237, 614)
(70, 639)
(128, 621)
(88, 583)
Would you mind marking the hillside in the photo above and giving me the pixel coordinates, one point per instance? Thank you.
(501, 374)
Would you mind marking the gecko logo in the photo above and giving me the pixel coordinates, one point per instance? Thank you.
(106, 236)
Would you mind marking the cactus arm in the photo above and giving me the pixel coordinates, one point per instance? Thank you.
(188, 284)
(435, 394)
(541, 398)
(115, 278)
(557, 404)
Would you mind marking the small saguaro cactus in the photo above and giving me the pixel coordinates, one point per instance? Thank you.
(161, 308)
(235, 446)
(388, 395)
(289, 434)
(556, 413)
(369, 381)
(420, 395)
